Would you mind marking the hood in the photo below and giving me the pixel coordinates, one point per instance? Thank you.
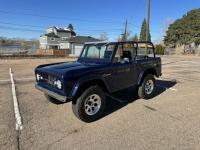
(60, 69)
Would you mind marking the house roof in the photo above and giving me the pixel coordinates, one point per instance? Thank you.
(62, 30)
(65, 30)
(51, 35)
(82, 39)
(58, 29)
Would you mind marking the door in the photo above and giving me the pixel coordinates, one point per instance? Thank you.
(123, 73)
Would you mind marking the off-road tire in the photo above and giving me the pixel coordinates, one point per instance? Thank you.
(141, 89)
(79, 107)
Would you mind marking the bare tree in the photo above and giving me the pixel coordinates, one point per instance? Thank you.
(124, 37)
(166, 24)
(103, 36)
(134, 38)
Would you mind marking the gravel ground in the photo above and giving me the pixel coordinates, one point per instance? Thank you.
(171, 120)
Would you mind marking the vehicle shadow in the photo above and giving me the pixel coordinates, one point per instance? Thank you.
(124, 97)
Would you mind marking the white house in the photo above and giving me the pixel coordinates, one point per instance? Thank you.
(64, 39)
(56, 38)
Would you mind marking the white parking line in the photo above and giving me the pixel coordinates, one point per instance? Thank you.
(5, 81)
(18, 121)
(25, 79)
(18, 80)
(28, 79)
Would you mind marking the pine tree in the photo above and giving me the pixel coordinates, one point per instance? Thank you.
(143, 32)
(70, 27)
(184, 31)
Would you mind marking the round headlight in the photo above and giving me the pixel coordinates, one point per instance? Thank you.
(55, 83)
(59, 84)
(38, 77)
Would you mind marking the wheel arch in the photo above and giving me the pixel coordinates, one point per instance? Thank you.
(145, 73)
(84, 84)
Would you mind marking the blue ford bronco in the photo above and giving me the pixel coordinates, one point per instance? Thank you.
(101, 69)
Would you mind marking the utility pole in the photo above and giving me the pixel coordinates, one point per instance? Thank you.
(147, 27)
(148, 22)
(125, 31)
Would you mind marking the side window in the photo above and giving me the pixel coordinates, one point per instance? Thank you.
(109, 50)
(144, 49)
(125, 53)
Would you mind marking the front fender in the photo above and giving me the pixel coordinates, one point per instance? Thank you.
(84, 80)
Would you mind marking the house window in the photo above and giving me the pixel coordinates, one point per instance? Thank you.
(64, 38)
(52, 39)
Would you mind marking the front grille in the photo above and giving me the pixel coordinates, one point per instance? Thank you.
(49, 79)
(45, 76)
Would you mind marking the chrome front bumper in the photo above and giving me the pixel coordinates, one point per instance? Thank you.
(52, 94)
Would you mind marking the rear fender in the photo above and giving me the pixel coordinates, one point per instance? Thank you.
(144, 73)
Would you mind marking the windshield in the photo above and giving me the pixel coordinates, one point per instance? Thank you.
(98, 51)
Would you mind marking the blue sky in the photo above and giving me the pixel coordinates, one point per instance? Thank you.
(89, 17)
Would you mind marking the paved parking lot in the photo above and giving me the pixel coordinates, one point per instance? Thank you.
(171, 120)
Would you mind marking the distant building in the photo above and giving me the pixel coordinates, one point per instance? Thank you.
(56, 38)
(77, 42)
(63, 39)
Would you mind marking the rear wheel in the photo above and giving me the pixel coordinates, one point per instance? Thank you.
(90, 105)
(147, 89)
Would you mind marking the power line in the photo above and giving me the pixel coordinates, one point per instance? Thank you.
(19, 29)
(98, 32)
(58, 18)
(42, 27)
(25, 25)
(106, 30)
(111, 30)
(61, 18)
(40, 31)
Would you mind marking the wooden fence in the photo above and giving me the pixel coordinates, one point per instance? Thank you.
(61, 52)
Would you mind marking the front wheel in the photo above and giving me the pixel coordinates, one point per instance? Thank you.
(90, 105)
(147, 88)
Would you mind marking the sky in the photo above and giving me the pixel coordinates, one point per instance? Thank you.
(30, 18)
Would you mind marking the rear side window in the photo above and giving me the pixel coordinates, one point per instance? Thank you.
(145, 49)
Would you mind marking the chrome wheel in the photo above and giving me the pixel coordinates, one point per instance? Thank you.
(149, 86)
(92, 104)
